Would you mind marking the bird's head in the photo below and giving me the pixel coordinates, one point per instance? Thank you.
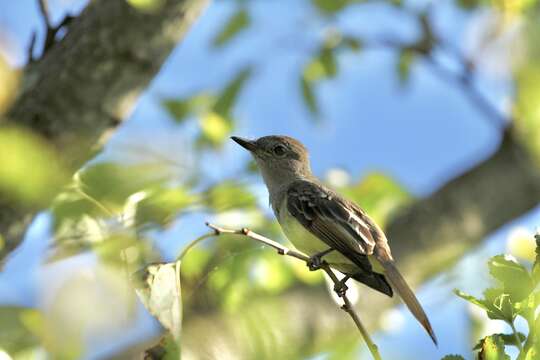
(281, 159)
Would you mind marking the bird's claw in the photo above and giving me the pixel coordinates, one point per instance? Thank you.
(340, 288)
(314, 263)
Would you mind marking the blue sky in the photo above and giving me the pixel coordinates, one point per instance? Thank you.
(422, 135)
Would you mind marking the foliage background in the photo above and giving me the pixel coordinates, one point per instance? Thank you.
(356, 83)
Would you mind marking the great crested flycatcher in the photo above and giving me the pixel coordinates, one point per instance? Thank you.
(324, 225)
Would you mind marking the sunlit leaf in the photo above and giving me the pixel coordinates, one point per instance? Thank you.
(30, 170)
(496, 304)
(499, 305)
(194, 264)
(109, 185)
(161, 205)
(215, 129)
(492, 348)
(158, 288)
(233, 26)
(227, 98)
(514, 277)
(17, 326)
(149, 6)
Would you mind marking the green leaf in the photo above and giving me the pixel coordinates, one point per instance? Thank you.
(508, 339)
(110, 184)
(453, 357)
(329, 7)
(215, 129)
(158, 288)
(328, 62)
(308, 95)
(31, 172)
(352, 43)
(513, 276)
(499, 305)
(536, 265)
(492, 348)
(496, 304)
(229, 195)
(405, 61)
(179, 109)
(229, 94)
(162, 205)
(234, 25)
(20, 328)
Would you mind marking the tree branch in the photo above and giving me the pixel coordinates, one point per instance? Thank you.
(87, 83)
(282, 250)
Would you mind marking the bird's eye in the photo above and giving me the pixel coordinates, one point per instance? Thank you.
(279, 150)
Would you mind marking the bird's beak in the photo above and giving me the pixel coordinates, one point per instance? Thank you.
(245, 143)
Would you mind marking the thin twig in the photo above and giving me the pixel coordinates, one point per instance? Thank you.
(44, 10)
(282, 250)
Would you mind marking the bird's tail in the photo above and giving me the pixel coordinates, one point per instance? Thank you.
(408, 297)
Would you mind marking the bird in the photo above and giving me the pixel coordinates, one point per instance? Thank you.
(326, 226)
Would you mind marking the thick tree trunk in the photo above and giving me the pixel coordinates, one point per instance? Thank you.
(86, 84)
(435, 231)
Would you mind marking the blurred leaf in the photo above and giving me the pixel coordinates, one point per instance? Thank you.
(167, 349)
(536, 265)
(308, 95)
(330, 7)
(194, 264)
(229, 195)
(328, 62)
(513, 276)
(149, 6)
(233, 26)
(30, 170)
(508, 339)
(215, 129)
(352, 43)
(17, 326)
(179, 109)
(492, 348)
(71, 207)
(405, 61)
(110, 184)
(378, 194)
(158, 288)
(227, 98)
(160, 206)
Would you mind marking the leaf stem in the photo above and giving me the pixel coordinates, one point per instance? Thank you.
(516, 337)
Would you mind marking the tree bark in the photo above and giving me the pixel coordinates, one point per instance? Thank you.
(87, 84)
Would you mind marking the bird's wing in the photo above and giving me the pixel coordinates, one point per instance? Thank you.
(337, 222)
(345, 227)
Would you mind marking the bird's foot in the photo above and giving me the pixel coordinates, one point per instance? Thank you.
(315, 261)
(340, 287)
